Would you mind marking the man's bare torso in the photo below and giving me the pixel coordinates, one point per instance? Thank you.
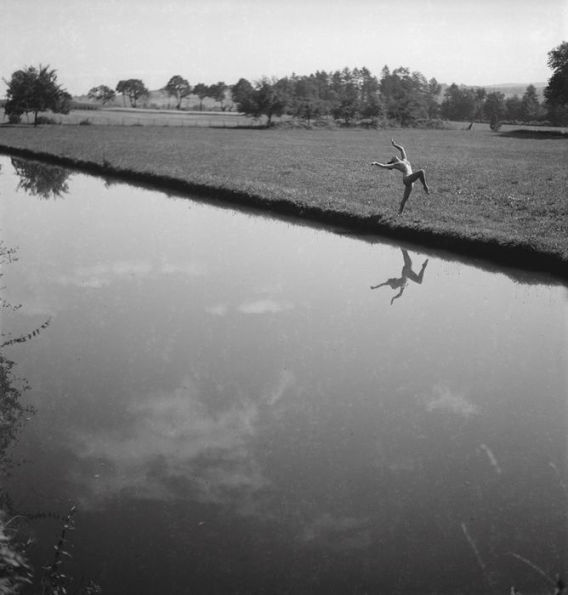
(404, 166)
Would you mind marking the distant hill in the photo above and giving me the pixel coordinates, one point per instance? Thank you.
(508, 89)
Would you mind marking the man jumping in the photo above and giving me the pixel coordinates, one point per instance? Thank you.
(408, 178)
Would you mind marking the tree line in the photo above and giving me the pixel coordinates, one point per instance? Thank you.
(400, 96)
(476, 104)
(177, 87)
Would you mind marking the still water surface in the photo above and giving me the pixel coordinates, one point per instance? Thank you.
(233, 409)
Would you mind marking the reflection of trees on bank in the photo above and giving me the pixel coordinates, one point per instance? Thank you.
(11, 340)
(12, 413)
(8, 256)
(15, 571)
(39, 179)
(406, 274)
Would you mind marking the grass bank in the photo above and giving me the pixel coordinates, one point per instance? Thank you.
(494, 196)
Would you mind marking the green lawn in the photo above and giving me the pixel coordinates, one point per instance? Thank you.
(502, 197)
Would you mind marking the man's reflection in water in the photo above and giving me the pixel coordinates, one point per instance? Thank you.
(406, 274)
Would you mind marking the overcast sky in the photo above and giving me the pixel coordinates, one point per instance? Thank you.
(93, 42)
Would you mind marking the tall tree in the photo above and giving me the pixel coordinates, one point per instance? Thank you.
(346, 104)
(556, 92)
(303, 101)
(462, 103)
(202, 91)
(271, 98)
(134, 89)
(241, 94)
(121, 88)
(217, 92)
(530, 105)
(480, 95)
(432, 101)
(513, 108)
(267, 98)
(370, 105)
(34, 90)
(324, 93)
(494, 108)
(179, 88)
(101, 93)
(405, 95)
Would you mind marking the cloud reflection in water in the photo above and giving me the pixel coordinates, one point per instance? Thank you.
(171, 444)
(264, 306)
(104, 274)
(443, 399)
(339, 533)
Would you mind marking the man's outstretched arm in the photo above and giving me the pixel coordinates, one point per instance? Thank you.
(383, 165)
(400, 148)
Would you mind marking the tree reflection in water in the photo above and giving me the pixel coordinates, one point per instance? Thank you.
(12, 412)
(15, 570)
(41, 180)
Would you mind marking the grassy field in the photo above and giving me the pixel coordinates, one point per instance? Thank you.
(119, 116)
(493, 195)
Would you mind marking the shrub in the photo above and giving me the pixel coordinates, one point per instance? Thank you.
(323, 123)
(369, 123)
(46, 120)
(434, 124)
(292, 124)
(495, 124)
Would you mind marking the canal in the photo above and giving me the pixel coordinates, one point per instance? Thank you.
(222, 402)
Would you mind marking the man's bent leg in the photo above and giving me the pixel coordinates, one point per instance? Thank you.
(422, 178)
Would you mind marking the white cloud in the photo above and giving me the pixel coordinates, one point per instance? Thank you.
(191, 269)
(447, 401)
(217, 309)
(264, 306)
(338, 533)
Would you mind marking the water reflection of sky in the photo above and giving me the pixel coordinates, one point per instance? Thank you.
(231, 384)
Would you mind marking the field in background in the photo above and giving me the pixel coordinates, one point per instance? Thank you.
(125, 116)
(499, 189)
(147, 117)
